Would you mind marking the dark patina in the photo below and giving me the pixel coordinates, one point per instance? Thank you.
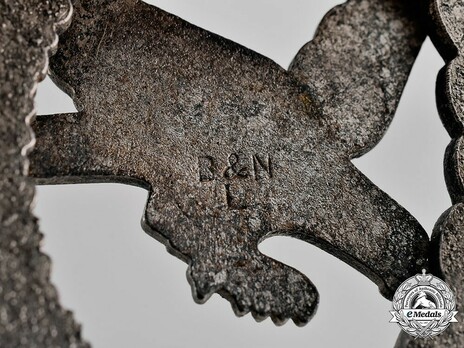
(234, 149)
(30, 313)
(447, 250)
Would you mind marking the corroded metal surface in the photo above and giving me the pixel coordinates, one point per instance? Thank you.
(30, 314)
(448, 253)
(448, 36)
(233, 149)
(448, 238)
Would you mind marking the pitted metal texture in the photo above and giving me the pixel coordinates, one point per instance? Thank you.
(447, 253)
(234, 149)
(30, 312)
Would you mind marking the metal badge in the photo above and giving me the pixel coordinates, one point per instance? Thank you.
(234, 149)
(448, 238)
(30, 313)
